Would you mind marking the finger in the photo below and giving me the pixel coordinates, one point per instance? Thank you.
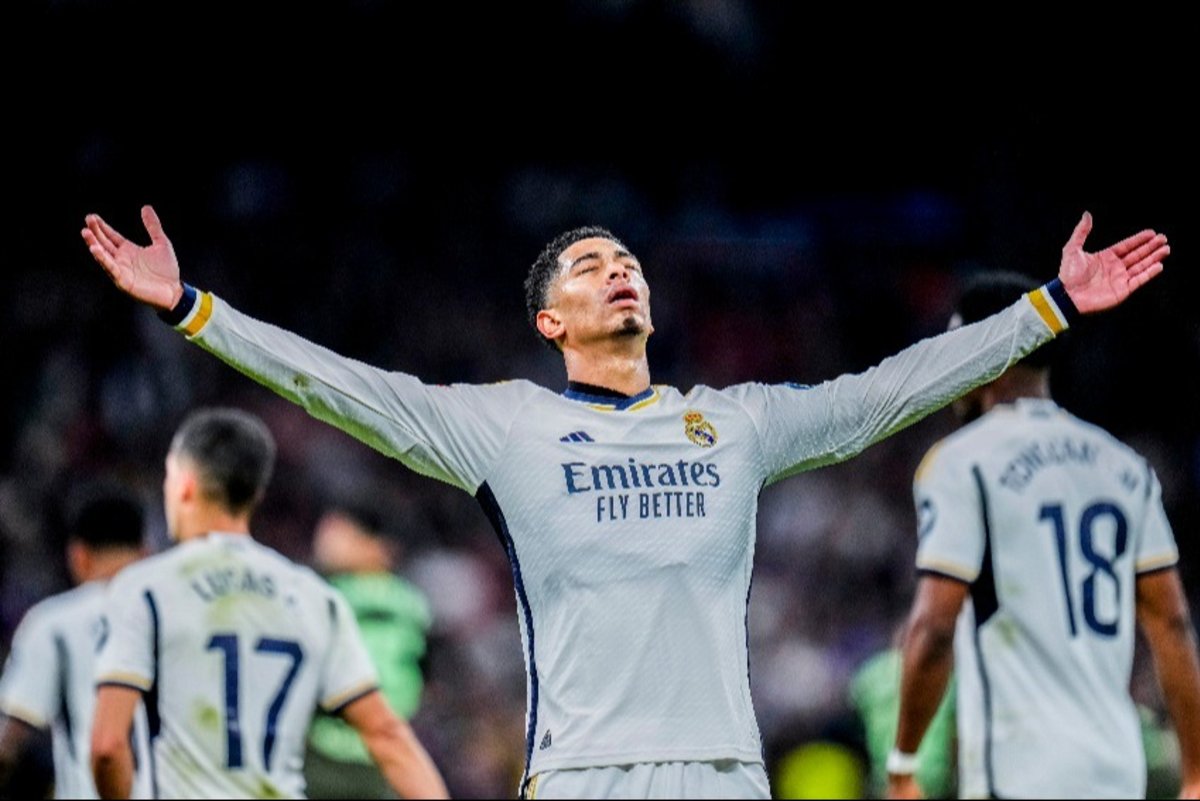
(1154, 258)
(1142, 278)
(101, 236)
(109, 231)
(1142, 251)
(153, 224)
(1080, 234)
(109, 264)
(1133, 243)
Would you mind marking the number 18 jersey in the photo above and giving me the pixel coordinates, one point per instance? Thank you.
(235, 647)
(1050, 520)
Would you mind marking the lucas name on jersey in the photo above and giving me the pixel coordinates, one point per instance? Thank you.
(609, 483)
(224, 581)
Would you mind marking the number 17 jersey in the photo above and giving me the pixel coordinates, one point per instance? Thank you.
(1049, 520)
(234, 647)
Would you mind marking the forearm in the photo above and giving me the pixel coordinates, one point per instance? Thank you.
(14, 736)
(927, 664)
(404, 762)
(112, 770)
(1175, 658)
(868, 407)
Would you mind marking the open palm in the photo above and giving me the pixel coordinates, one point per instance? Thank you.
(149, 274)
(1099, 281)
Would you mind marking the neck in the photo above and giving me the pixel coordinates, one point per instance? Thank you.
(622, 367)
(1017, 383)
(207, 518)
(107, 563)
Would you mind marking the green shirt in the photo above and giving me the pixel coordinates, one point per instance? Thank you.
(875, 693)
(393, 616)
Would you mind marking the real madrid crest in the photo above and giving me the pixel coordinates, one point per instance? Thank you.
(699, 430)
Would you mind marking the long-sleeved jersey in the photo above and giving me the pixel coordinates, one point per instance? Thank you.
(629, 524)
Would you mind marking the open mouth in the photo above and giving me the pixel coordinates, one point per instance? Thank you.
(625, 293)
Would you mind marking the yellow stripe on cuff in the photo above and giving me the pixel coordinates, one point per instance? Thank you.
(1045, 309)
(200, 318)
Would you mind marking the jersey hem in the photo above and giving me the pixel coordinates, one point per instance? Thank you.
(543, 765)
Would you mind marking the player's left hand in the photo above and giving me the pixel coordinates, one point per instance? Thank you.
(903, 787)
(1099, 281)
(1190, 790)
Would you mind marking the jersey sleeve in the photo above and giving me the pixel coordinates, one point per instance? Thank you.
(803, 427)
(452, 433)
(347, 673)
(27, 689)
(950, 527)
(1156, 547)
(126, 656)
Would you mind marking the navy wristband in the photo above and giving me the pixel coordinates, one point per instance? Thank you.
(1065, 305)
(176, 315)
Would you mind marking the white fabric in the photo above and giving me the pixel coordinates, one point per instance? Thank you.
(725, 779)
(49, 682)
(221, 600)
(1043, 711)
(631, 531)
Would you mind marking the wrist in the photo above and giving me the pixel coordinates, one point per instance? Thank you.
(1054, 306)
(900, 763)
(180, 308)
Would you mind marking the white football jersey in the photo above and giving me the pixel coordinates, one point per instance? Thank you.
(49, 681)
(629, 523)
(235, 647)
(1050, 520)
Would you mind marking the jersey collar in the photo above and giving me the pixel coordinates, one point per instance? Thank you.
(605, 403)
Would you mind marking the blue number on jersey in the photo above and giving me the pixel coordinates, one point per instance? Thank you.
(1099, 562)
(228, 645)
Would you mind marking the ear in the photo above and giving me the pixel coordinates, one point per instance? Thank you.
(550, 324)
(189, 485)
(79, 561)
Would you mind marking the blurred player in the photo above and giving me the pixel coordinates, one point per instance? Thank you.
(1044, 537)
(627, 510)
(49, 680)
(357, 550)
(233, 646)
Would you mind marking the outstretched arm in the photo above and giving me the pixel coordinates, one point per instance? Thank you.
(1162, 609)
(450, 433)
(838, 419)
(395, 748)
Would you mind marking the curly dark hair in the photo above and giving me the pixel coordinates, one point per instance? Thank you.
(543, 271)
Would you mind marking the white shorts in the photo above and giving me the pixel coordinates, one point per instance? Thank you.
(723, 779)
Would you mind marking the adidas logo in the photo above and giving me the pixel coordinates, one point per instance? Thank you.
(547, 741)
(576, 436)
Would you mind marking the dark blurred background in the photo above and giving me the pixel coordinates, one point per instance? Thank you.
(806, 195)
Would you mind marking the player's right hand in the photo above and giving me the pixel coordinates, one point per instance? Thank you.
(149, 274)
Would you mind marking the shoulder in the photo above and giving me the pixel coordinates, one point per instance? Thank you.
(1119, 448)
(953, 453)
(514, 389)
